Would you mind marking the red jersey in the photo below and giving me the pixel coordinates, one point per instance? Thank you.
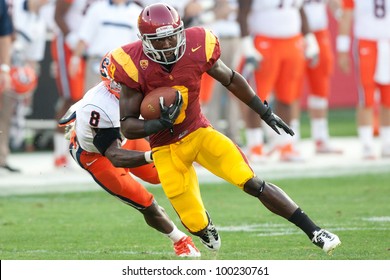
(131, 67)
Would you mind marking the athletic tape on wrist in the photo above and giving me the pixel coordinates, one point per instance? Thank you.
(148, 157)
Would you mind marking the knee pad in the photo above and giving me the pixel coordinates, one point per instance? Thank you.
(254, 186)
(317, 102)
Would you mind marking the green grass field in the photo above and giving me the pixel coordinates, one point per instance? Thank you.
(95, 226)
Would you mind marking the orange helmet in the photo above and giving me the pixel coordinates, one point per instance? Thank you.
(106, 73)
(24, 79)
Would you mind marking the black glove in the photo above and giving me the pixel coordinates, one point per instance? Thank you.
(273, 121)
(169, 114)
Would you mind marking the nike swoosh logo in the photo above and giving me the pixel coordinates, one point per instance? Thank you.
(195, 49)
(90, 163)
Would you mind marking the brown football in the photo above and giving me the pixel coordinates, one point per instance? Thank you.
(150, 106)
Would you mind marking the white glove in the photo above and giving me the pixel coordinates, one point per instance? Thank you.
(252, 56)
(312, 50)
(69, 130)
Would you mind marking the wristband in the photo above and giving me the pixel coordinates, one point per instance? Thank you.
(343, 43)
(148, 157)
(5, 68)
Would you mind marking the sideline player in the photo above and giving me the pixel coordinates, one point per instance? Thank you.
(6, 30)
(169, 55)
(68, 16)
(318, 76)
(278, 56)
(96, 145)
(371, 29)
(106, 25)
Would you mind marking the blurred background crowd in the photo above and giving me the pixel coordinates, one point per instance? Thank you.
(297, 55)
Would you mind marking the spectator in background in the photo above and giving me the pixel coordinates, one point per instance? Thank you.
(27, 53)
(318, 76)
(276, 41)
(6, 30)
(106, 25)
(371, 29)
(68, 16)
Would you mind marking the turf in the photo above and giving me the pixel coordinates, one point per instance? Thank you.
(95, 226)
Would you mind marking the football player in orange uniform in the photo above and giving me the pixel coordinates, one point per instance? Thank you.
(371, 21)
(98, 147)
(169, 55)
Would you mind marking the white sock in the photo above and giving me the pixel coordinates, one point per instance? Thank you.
(366, 136)
(385, 136)
(296, 127)
(319, 129)
(60, 145)
(176, 234)
(254, 137)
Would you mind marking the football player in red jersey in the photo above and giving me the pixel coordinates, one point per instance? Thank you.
(169, 55)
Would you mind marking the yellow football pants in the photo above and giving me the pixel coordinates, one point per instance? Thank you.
(211, 149)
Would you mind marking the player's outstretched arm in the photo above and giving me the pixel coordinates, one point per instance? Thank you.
(237, 85)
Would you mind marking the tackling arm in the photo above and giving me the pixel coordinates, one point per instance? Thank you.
(126, 158)
(109, 143)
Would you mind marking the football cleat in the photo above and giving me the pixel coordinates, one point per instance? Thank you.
(211, 239)
(325, 148)
(186, 248)
(368, 153)
(61, 161)
(289, 154)
(326, 240)
(256, 154)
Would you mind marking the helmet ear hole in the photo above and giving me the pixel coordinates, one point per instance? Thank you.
(159, 21)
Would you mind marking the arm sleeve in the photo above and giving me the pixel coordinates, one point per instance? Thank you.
(104, 138)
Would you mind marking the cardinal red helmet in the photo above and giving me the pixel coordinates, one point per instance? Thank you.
(107, 70)
(24, 79)
(158, 21)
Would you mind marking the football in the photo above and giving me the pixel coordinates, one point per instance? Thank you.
(150, 106)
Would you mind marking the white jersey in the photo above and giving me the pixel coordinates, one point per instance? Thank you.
(316, 13)
(30, 31)
(372, 19)
(107, 26)
(275, 19)
(97, 109)
(73, 19)
(226, 27)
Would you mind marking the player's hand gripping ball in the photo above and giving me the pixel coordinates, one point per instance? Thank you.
(150, 106)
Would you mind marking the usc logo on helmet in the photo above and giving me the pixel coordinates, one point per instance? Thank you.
(24, 79)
